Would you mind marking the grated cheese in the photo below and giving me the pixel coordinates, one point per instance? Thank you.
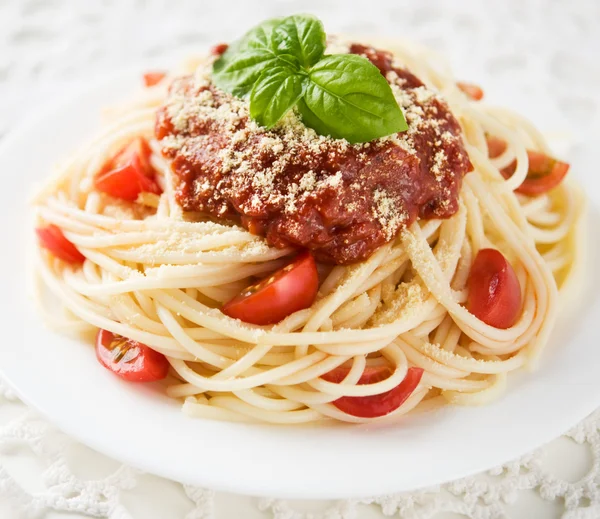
(239, 167)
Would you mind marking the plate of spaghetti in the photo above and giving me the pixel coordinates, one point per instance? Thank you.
(298, 264)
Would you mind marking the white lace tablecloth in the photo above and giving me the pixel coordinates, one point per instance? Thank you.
(539, 56)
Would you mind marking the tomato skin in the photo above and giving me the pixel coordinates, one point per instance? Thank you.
(544, 174)
(475, 92)
(52, 238)
(374, 406)
(129, 173)
(292, 288)
(138, 362)
(494, 290)
(153, 78)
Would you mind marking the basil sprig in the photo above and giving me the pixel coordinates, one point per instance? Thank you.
(281, 64)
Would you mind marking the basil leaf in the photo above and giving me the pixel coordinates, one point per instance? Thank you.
(344, 96)
(347, 98)
(244, 61)
(302, 36)
(276, 91)
(237, 72)
(260, 37)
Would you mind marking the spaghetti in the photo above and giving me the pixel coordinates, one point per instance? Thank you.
(158, 275)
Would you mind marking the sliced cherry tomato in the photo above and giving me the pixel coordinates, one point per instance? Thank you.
(129, 359)
(53, 239)
(473, 91)
(288, 290)
(129, 173)
(153, 78)
(219, 49)
(494, 290)
(496, 146)
(375, 405)
(544, 174)
(126, 182)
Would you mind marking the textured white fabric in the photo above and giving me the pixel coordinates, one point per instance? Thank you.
(558, 480)
(538, 56)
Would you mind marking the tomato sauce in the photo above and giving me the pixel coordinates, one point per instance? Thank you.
(299, 189)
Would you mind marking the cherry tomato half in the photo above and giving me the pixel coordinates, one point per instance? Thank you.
(288, 290)
(473, 91)
(375, 405)
(494, 290)
(129, 173)
(153, 78)
(52, 238)
(129, 359)
(544, 174)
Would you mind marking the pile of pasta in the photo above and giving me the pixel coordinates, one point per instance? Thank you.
(158, 276)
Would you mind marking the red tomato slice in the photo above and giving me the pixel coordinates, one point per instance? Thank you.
(139, 148)
(53, 239)
(473, 91)
(219, 49)
(129, 359)
(126, 182)
(545, 173)
(129, 173)
(153, 78)
(288, 290)
(494, 290)
(375, 405)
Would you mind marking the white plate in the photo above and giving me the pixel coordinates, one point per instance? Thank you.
(140, 426)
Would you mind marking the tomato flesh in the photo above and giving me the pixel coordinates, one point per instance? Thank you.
(153, 78)
(494, 290)
(129, 173)
(288, 290)
(374, 406)
(52, 238)
(544, 174)
(473, 91)
(129, 359)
